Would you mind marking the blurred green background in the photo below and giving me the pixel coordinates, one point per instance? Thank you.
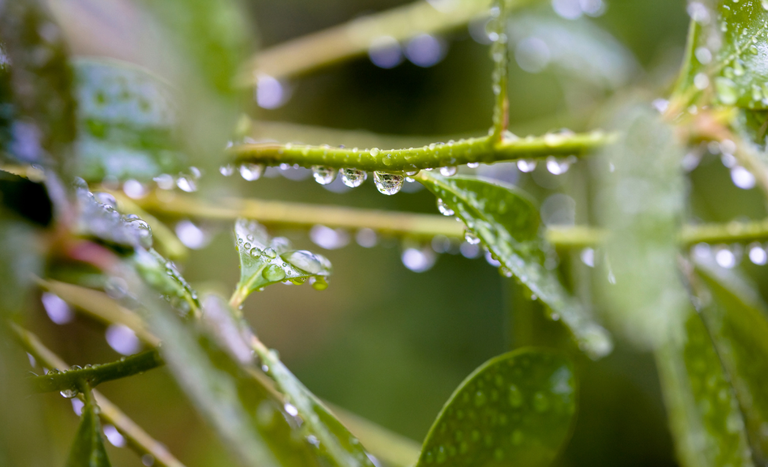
(391, 344)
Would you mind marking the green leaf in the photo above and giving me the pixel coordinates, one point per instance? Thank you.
(641, 204)
(200, 47)
(36, 94)
(336, 443)
(162, 276)
(265, 261)
(127, 122)
(704, 414)
(88, 449)
(20, 260)
(507, 222)
(735, 70)
(517, 409)
(736, 318)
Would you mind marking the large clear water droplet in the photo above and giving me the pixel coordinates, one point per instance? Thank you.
(471, 238)
(449, 171)
(444, 208)
(323, 175)
(251, 172)
(69, 393)
(353, 178)
(526, 166)
(273, 273)
(418, 259)
(388, 183)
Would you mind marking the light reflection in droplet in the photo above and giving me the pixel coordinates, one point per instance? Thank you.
(725, 258)
(742, 178)
(113, 436)
(135, 189)
(328, 238)
(588, 257)
(469, 250)
(757, 254)
(191, 235)
(270, 92)
(418, 259)
(122, 339)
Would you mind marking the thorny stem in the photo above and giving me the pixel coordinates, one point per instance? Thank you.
(473, 150)
(96, 374)
(137, 438)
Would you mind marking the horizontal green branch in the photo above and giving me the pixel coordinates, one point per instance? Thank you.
(94, 375)
(417, 226)
(137, 438)
(472, 150)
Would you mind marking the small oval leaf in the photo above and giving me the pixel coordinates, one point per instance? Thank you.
(88, 448)
(515, 410)
(507, 222)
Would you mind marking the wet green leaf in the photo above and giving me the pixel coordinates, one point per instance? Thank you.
(265, 261)
(641, 204)
(507, 222)
(335, 442)
(88, 449)
(727, 46)
(703, 411)
(127, 122)
(517, 409)
(36, 89)
(162, 276)
(736, 318)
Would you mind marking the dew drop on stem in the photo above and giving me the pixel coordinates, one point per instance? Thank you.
(471, 238)
(323, 175)
(444, 208)
(251, 172)
(526, 165)
(353, 178)
(449, 171)
(388, 183)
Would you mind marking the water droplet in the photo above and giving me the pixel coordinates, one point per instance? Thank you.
(375, 152)
(323, 175)
(186, 183)
(270, 253)
(441, 455)
(143, 231)
(69, 393)
(318, 282)
(471, 238)
(353, 178)
(227, 170)
(725, 258)
(742, 178)
(556, 167)
(757, 253)
(726, 90)
(251, 172)
(473, 165)
(449, 171)
(418, 259)
(480, 398)
(388, 183)
(540, 402)
(526, 166)
(105, 199)
(444, 208)
(515, 396)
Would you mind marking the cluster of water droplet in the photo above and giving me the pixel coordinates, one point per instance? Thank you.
(730, 256)
(164, 277)
(99, 217)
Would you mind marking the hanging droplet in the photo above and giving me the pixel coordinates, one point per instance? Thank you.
(471, 238)
(418, 259)
(251, 172)
(473, 165)
(556, 167)
(273, 273)
(449, 171)
(444, 208)
(143, 231)
(526, 166)
(323, 175)
(353, 178)
(758, 255)
(69, 393)
(106, 199)
(186, 183)
(318, 282)
(227, 170)
(388, 183)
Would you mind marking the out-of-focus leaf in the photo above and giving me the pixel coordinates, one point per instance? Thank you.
(515, 410)
(335, 442)
(99, 219)
(265, 261)
(507, 222)
(127, 122)
(201, 45)
(215, 367)
(88, 449)
(36, 94)
(577, 49)
(727, 43)
(736, 318)
(704, 414)
(641, 204)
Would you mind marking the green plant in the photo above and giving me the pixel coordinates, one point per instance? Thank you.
(73, 129)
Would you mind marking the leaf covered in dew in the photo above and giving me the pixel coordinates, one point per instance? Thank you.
(127, 121)
(641, 204)
(265, 260)
(517, 409)
(507, 222)
(703, 411)
(737, 320)
(88, 448)
(727, 52)
(163, 277)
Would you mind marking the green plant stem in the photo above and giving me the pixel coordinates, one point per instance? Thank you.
(354, 38)
(96, 374)
(472, 150)
(136, 437)
(417, 226)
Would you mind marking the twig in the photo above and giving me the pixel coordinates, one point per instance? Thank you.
(137, 438)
